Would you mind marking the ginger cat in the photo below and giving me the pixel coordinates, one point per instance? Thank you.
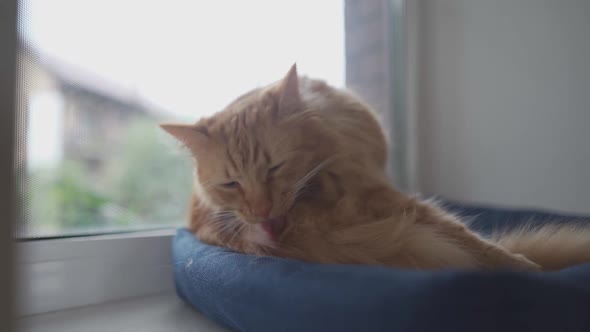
(297, 169)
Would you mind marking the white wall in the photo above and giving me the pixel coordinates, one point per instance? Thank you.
(504, 101)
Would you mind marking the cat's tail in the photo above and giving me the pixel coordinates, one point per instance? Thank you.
(553, 246)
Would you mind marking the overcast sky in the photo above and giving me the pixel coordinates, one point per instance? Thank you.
(191, 57)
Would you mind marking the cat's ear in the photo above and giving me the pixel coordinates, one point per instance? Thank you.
(289, 98)
(192, 136)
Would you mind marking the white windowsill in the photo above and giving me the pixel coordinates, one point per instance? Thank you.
(119, 282)
(162, 312)
(63, 274)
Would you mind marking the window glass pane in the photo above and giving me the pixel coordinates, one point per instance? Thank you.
(96, 77)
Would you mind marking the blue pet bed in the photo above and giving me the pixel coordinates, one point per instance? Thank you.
(248, 293)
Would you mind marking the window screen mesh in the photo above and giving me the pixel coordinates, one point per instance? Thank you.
(96, 77)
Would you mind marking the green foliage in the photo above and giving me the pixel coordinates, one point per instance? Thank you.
(145, 180)
(61, 198)
(80, 205)
(150, 176)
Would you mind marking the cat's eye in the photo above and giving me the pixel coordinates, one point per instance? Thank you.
(231, 184)
(275, 168)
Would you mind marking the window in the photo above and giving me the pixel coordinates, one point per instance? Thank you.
(96, 77)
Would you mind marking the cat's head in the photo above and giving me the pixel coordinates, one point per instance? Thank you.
(255, 158)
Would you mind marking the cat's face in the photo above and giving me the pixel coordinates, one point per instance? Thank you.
(257, 169)
(255, 158)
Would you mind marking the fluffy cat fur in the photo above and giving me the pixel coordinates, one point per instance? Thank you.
(297, 169)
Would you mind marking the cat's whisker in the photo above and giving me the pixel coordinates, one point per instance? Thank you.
(220, 221)
(222, 215)
(229, 226)
(303, 180)
(239, 230)
(223, 212)
(218, 217)
(223, 225)
(300, 192)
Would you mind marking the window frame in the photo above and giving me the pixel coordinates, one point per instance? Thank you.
(54, 274)
(7, 127)
(58, 274)
(382, 41)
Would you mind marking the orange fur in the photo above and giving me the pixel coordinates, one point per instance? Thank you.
(552, 246)
(297, 169)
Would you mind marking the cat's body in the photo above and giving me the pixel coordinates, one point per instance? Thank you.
(297, 169)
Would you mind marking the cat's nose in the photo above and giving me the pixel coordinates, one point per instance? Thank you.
(262, 210)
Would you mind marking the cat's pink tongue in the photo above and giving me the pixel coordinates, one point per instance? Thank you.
(274, 227)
